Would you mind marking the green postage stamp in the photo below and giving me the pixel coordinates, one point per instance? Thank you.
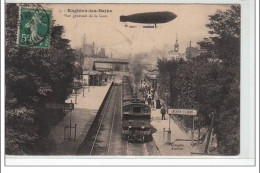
(34, 29)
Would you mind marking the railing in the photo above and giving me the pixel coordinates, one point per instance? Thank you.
(186, 129)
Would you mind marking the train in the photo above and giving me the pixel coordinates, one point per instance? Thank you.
(136, 115)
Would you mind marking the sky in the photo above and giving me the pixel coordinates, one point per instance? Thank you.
(107, 31)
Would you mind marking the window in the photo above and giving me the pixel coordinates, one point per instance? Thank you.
(136, 109)
(126, 109)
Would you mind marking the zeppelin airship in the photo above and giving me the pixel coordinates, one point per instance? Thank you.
(149, 18)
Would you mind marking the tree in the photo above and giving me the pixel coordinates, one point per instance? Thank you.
(210, 82)
(166, 79)
(223, 49)
(34, 77)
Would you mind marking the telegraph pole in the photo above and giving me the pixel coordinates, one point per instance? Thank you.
(169, 130)
(192, 132)
(76, 96)
(199, 124)
(166, 94)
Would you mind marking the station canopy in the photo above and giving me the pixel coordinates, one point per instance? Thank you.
(91, 72)
(89, 62)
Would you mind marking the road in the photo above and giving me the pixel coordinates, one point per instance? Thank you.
(107, 137)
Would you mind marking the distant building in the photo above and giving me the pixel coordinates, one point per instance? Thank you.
(90, 50)
(87, 49)
(102, 53)
(174, 54)
(96, 70)
(106, 64)
(192, 52)
(176, 46)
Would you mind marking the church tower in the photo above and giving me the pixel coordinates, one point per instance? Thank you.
(84, 41)
(176, 45)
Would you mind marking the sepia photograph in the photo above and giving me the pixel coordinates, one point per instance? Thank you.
(122, 79)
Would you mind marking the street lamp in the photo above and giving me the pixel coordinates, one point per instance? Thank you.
(157, 96)
(70, 119)
(76, 96)
(83, 83)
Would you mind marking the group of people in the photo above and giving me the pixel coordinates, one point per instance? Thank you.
(149, 96)
(148, 93)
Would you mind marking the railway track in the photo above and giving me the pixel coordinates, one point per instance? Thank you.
(105, 138)
(142, 149)
(101, 144)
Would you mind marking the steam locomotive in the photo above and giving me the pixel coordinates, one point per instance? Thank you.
(136, 114)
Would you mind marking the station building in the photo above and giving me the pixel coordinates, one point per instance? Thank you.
(96, 70)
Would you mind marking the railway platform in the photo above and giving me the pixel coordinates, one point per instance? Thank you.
(180, 141)
(85, 110)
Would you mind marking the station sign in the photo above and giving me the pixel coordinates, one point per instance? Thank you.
(182, 111)
(67, 106)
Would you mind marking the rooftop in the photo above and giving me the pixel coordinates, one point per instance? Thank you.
(89, 62)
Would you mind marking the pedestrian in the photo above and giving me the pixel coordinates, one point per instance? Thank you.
(163, 111)
(152, 96)
(145, 97)
(152, 103)
(149, 89)
(149, 100)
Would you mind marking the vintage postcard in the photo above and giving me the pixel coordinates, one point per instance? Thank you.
(131, 80)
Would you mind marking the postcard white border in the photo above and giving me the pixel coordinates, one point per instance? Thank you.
(248, 93)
